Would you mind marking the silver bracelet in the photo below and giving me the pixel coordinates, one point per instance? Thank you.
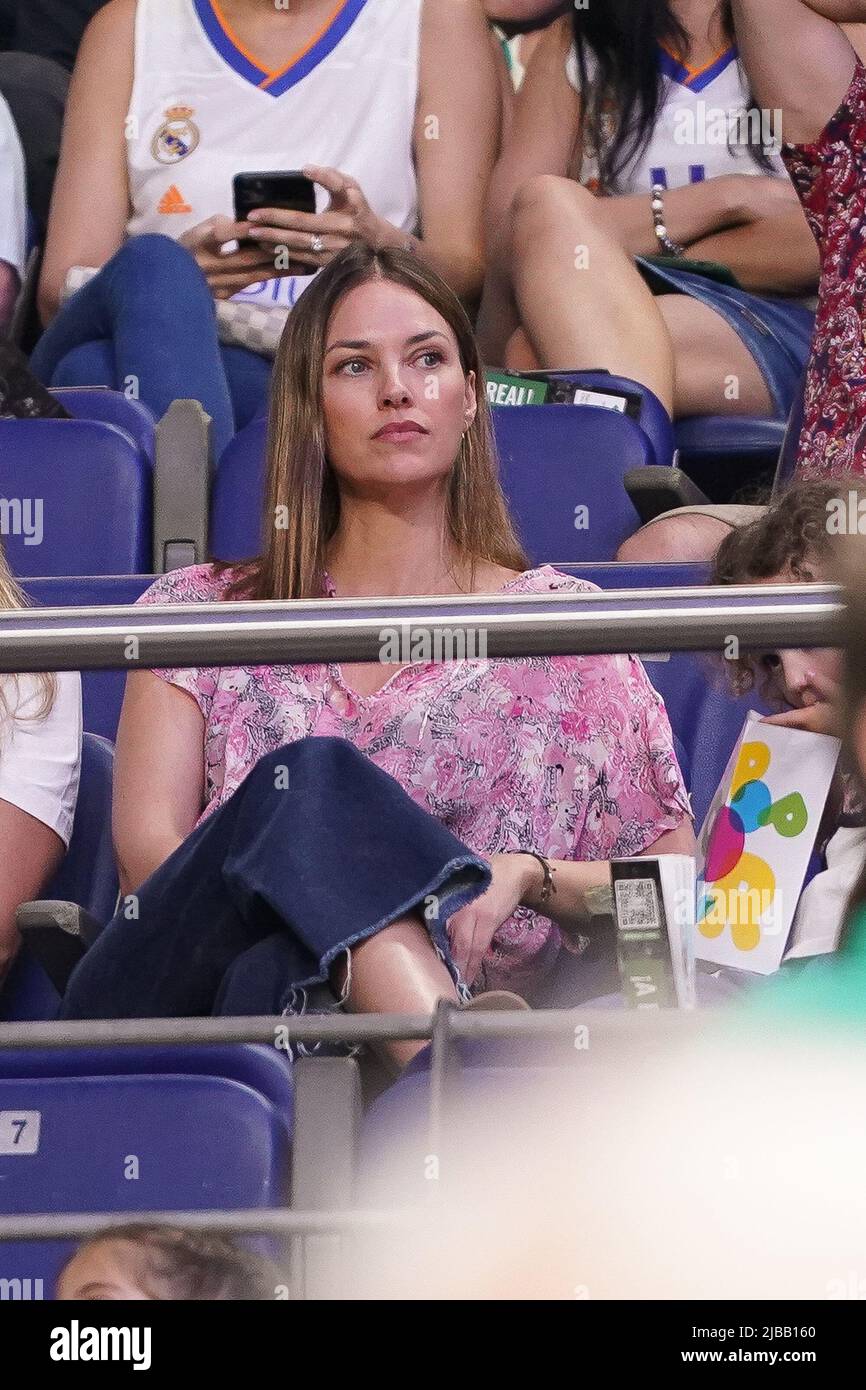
(667, 246)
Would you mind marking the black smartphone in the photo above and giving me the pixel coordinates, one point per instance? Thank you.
(289, 190)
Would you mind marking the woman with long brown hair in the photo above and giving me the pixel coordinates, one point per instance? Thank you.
(392, 833)
(40, 754)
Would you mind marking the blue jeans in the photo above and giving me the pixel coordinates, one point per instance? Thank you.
(317, 850)
(149, 314)
(777, 332)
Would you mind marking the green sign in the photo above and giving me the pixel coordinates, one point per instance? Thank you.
(515, 390)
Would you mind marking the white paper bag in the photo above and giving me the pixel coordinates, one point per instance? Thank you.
(756, 842)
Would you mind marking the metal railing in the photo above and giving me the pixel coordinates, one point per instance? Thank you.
(258, 1222)
(219, 634)
(351, 1029)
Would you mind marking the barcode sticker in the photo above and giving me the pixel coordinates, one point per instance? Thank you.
(636, 904)
(19, 1131)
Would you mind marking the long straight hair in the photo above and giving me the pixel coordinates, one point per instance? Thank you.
(302, 507)
(616, 45)
(12, 596)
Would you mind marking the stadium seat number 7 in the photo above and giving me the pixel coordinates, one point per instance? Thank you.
(19, 1132)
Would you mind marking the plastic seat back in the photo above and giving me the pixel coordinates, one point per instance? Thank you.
(561, 469)
(236, 518)
(99, 404)
(75, 498)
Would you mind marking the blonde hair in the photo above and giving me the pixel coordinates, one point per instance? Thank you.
(12, 596)
(301, 483)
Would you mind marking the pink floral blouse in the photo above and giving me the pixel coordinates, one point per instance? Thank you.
(570, 756)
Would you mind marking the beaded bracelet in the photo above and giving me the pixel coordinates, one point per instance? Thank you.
(668, 247)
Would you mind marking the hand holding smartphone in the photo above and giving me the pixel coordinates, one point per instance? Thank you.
(291, 191)
(288, 191)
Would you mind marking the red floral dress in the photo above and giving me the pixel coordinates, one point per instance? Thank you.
(830, 178)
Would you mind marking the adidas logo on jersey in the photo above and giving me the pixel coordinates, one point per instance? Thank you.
(173, 201)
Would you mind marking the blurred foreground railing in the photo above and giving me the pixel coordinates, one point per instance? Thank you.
(331, 1028)
(317, 1241)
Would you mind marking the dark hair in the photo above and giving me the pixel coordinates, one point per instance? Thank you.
(622, 37)
(192, 1266)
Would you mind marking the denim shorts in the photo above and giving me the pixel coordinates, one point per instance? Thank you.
(777, 332)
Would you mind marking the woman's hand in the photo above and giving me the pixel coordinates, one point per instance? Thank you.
(227, 273)
(315, 238)
(471, 930)
(822, 717)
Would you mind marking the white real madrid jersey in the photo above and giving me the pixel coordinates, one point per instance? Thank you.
(702, 131)
(203, 109)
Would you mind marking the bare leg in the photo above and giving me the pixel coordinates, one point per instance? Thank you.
(582, 301)
(520, 355)
(715, 372)
(397, 971)
(497, 316)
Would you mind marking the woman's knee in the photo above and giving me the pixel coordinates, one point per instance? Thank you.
(544, 204)
(152, 263)
(324, 759)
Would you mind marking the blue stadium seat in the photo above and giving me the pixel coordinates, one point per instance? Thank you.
(134, 1129)
(102, 691)
(236, 496)
(790, 444)
(705, 717)
(613, 575)
(561, 469)
(653, 420)
(108, 407)
(725, 453)
(76, 497)
(87, 876)
(396, 1125)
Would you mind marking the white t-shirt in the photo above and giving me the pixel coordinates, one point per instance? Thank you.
(13, 193)
(40, 759)
(823, 907)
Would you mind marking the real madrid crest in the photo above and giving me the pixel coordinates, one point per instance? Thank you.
(177, 137)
